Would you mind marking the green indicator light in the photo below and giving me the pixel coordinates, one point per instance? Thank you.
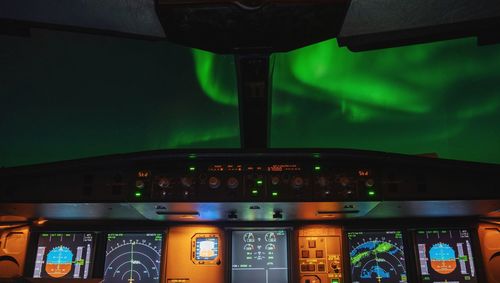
(317, 168)
(335, 281)
(371, 193)
(138, 194)
(192, 156)
(192, 168)
(254, 192)
(275, 194)
(316, 155)
(259, 182)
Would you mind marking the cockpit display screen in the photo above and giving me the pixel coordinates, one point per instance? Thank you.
(377, 256)
(64, 255)
(445, 256)
(207, 248)
(133, 257)
(259, 256)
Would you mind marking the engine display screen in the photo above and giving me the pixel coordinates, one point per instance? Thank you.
(207, 248)
(64, 255)
(133, 257)
(377, 256)
(445, 256)
(259, 256)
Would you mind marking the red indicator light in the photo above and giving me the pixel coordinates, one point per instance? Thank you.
(363, 173)
(143, 174)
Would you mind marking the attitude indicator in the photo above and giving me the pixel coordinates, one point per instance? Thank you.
(64, 255)
(445, 256)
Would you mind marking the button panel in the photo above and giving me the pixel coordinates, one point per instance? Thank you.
(320, 254)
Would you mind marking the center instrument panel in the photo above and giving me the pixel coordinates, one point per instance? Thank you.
(425, 251)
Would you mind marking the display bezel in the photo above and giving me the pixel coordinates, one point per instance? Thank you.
(406, 247)
(229, 248)
(34, 239)
(475, 247)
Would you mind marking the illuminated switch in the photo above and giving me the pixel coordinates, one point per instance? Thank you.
(312, 244)
(335, 281)
(319, 253)
(305, 253)
(321, 267)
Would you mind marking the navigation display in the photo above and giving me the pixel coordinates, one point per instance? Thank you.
(207, 248)
(64, 255)
(133, 257)
(259, 256)
(445, 256)
(377, 256)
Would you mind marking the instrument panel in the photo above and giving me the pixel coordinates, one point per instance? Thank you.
(258, 253)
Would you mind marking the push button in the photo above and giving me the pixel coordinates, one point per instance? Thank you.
(312, 267)
(312, 244)
(319, 253)
(321, 267)
(304, 267)
(305, 253)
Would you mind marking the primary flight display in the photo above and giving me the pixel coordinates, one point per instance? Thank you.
(445, 256)
(64, 255)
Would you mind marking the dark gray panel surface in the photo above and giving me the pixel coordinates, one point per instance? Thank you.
(136, 17)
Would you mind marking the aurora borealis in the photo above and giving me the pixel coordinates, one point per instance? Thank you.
(68, 95)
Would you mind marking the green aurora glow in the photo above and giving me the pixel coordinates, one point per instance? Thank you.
(69, 95)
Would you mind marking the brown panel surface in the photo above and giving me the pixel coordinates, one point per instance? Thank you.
(489, 235)
(181, 268)
(13, 245)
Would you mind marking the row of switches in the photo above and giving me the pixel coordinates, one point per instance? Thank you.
(319, 254)
(312, 267)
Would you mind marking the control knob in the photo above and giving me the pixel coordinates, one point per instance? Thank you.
(187, 181)
(213, 182)
(297, 182)
(232, 183)
(163, 183)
